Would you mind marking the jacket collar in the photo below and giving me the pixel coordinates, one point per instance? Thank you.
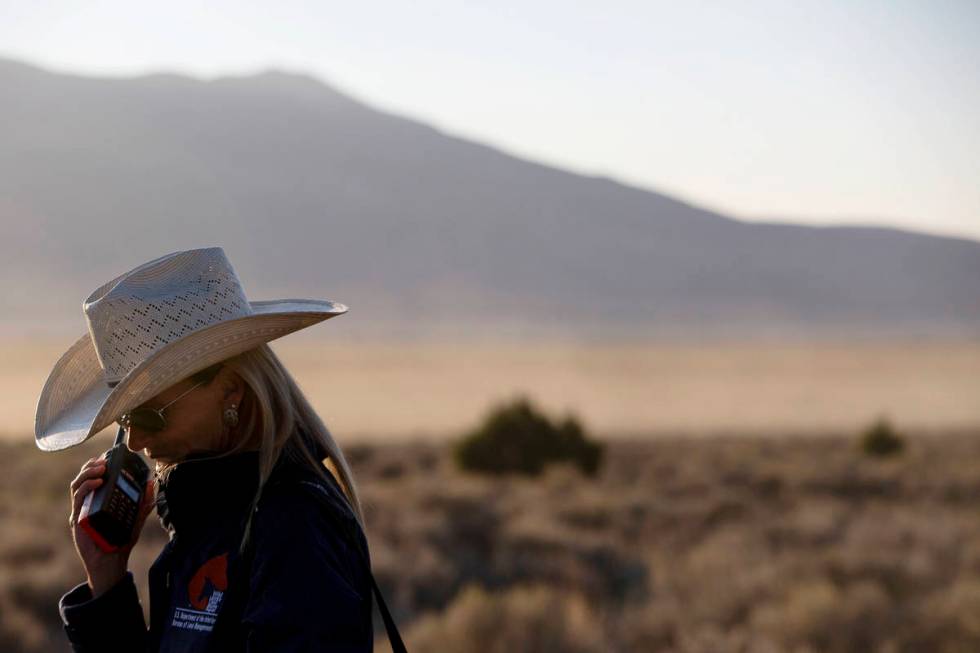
(203, 491)
(200, 492)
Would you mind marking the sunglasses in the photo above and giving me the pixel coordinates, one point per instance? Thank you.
(150, 419)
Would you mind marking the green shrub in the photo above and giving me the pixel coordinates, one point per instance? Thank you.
(515, 437)
(880, 439)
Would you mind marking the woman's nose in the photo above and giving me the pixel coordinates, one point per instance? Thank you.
(136, 440)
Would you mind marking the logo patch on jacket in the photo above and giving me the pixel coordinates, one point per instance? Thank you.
(204, 593)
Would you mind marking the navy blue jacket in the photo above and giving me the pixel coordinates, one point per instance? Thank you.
(300, 587)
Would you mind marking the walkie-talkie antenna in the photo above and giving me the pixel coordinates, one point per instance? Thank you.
(120, 435)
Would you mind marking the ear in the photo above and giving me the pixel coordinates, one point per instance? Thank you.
(232, 386)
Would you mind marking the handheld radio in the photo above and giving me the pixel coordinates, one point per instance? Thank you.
(109, 512)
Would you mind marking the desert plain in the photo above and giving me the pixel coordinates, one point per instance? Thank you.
(734, 510)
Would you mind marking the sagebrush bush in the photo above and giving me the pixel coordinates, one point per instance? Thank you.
(881, 439)
(516, 437)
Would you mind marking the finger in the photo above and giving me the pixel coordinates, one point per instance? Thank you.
(91, 463)
(92, 469)
(80, 495)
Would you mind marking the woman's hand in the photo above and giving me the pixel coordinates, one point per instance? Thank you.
(103, 570)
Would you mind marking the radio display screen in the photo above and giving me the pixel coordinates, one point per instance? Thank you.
(128, 488)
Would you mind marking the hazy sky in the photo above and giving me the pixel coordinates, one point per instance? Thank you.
(824, 111)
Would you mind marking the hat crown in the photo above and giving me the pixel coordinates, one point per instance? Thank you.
(160, 302)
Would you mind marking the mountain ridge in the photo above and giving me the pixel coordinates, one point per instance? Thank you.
(314, 192)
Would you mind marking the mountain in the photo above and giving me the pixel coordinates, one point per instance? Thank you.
(313, 193)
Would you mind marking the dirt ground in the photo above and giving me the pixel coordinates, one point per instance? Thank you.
(391, 391)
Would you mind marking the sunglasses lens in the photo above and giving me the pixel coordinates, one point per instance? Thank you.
(145, 420)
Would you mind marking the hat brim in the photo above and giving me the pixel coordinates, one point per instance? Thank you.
(76, 402)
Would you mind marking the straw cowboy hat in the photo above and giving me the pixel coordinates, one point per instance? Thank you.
(152, 327)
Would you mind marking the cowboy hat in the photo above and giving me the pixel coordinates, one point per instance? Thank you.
(152, 327)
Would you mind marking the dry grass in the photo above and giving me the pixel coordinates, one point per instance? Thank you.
(687, 545)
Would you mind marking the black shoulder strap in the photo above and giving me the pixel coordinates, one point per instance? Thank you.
(347, 526)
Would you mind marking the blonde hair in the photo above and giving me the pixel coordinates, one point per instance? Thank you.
(276, 416)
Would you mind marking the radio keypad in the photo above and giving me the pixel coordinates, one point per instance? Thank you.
(121, 507)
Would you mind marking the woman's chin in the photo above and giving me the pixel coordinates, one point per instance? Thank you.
(156, 456)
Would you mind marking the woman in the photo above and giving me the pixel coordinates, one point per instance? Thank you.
(267, 549)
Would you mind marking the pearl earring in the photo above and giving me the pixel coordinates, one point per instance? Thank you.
(231, 416)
